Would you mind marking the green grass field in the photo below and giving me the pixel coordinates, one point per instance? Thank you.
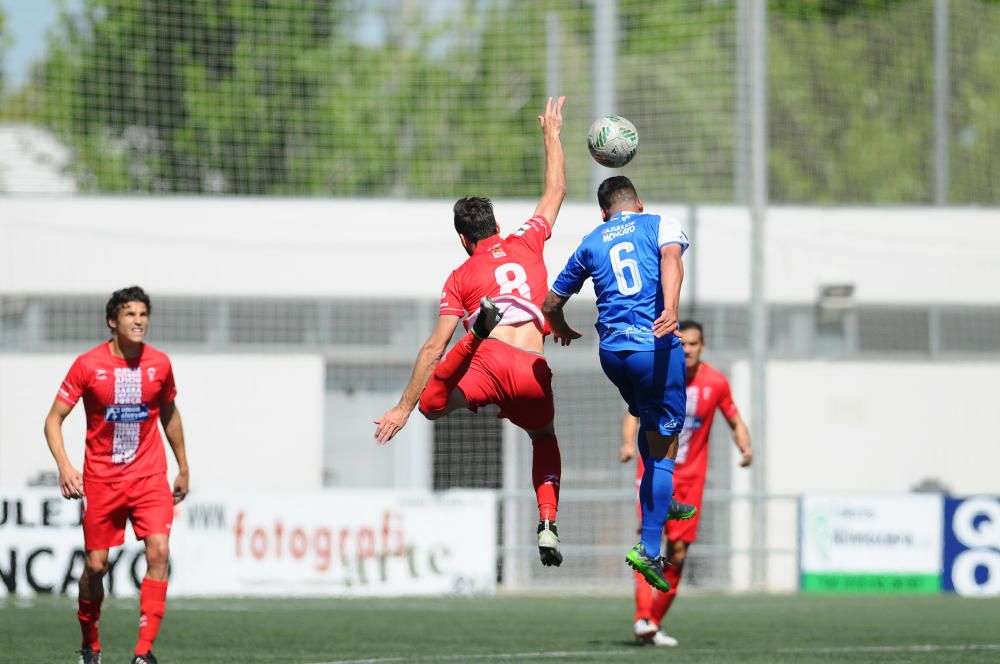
(522, 629)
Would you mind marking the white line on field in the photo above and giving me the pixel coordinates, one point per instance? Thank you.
(632, 651)
(930, 647)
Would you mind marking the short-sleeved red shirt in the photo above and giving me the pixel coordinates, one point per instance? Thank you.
(708, 390)
(122, 400)
(509, 270)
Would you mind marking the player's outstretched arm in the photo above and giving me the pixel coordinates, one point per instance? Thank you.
(671, 276)
(630, 431)
(170, 418)
(741, 436)
(395, 418)
(70, 479)
(555, 163)
(553, 310)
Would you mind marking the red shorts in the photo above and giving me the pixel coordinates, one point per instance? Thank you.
(690, 493)
(145, 501)
(517, 380)
(686, 491)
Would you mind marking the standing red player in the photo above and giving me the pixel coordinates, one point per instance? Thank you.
(126, 387)
(707, 389)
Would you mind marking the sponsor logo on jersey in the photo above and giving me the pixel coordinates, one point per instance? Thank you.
(102, 374)
(499, 253)
(126, 413)
(618, 230)
(151, 372)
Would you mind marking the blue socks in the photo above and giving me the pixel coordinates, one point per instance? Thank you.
(656, 490)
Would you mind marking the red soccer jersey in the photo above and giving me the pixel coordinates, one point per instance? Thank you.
(707, 391)
(122, 399)
(511, 271)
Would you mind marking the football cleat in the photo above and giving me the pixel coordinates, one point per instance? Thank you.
(650, 568)
(88, 656)
(661, 638)
(488, 318)
(643, 630)
(548, 544)
(680, 511)
(148, 658)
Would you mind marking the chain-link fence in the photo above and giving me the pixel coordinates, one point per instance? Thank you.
(875, 101)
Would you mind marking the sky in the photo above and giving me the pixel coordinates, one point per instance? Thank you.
(26, 25)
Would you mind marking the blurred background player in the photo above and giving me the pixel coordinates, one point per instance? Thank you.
(634, 259)
(707, 389)
(500, 360)
(126, 385)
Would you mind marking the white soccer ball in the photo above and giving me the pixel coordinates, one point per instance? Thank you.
(612, 141)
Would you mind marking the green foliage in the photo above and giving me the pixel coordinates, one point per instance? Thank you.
(295, 97)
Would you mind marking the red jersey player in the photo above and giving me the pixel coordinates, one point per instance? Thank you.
(501, 287)
(707, 389)
(126, 386)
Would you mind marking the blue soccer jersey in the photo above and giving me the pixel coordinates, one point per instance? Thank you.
(622, 256)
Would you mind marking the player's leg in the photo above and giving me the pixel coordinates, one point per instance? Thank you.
(153, 593)
(678, 550)
(546, 471)
(642, 626)
(152, 516)
(104, 515)
(655, 489)
(437, 398)
(658, 377)
(89, 601)
(524, 394)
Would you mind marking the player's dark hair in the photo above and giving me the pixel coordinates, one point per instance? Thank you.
(692, 325)
(614, 191)
(123, 296)
(474, 218)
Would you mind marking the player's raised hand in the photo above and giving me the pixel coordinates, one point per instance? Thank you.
(70, 482)
(390, 424)
(666, 324)
(551, 121)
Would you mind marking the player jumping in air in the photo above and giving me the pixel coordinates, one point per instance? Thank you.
(501, 286)
(634, 260)
(707, 389)
(126, 386)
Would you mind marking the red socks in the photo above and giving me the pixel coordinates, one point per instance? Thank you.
(89, 614)
(662, 601)
(653, 606)
(447, 374)
(546, 468)
(643, 598)
(152, 604)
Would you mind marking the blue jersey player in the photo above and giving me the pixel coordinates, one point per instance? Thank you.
(634, 260)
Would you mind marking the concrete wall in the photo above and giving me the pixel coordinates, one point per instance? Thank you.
(362, 248)
(864, 428)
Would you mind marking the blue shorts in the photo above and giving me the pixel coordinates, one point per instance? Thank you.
(652, 384)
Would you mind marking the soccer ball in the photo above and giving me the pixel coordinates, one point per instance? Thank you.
(612, 141)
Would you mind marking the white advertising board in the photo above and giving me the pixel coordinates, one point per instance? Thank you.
(343, 543)
(859, 543)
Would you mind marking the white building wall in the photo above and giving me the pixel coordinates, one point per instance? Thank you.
(252, 421)
(373, 248)
(863, 428)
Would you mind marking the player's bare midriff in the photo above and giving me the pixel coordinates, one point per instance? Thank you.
(524, 335)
